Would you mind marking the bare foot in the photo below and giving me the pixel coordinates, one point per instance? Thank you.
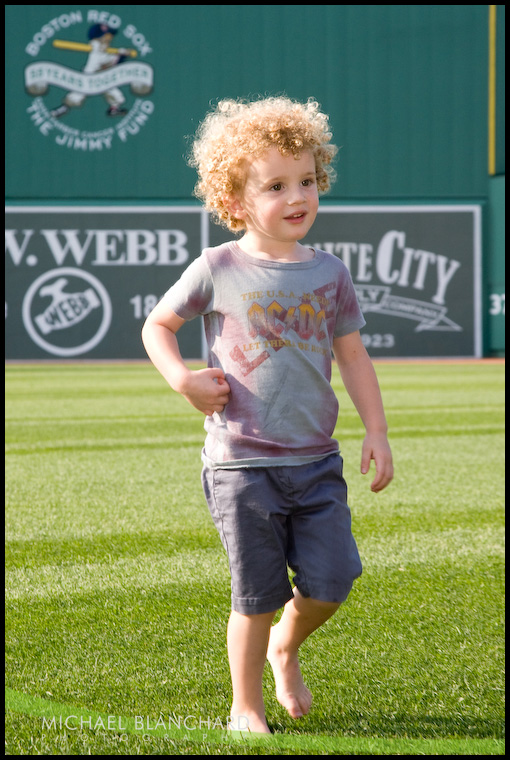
(246, 723)
(291, 691)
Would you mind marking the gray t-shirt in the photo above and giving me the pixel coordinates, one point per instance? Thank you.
(269, 326)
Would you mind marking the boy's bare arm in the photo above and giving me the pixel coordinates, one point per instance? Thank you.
(206, 389)
(360, 380)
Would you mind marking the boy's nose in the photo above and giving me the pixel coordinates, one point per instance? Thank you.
(297, 195)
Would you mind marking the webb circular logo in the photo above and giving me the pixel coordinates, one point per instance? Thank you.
(88, 67)
(67, 312)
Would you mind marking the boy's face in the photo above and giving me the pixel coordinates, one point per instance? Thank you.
(280, 199)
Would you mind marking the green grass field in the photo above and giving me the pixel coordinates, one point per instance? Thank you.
(117, 587)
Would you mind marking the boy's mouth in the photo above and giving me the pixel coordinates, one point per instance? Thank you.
(297, 217)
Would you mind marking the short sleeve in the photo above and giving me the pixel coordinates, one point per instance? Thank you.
(193, 293)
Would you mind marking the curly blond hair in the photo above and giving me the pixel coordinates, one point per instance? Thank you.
(237, 130)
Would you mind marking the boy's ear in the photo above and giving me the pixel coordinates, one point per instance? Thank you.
(235, 207)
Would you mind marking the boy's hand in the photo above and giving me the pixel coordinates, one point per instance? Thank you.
(206, 390)
(376, 447)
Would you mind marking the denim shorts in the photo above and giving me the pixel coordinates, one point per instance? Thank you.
(271, 519)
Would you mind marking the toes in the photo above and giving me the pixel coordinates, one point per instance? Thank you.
(305, 703)
(292, 706)
(297, 707)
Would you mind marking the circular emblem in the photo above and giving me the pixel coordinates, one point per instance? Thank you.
(89, 82)
(67, 311)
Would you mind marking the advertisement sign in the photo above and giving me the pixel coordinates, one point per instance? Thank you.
(80, 281)
(417, 273)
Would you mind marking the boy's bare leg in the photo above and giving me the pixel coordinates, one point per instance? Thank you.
(247, 640)
(300, 618)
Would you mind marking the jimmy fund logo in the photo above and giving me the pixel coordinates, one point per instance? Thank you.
(67, 312)
(87, 71)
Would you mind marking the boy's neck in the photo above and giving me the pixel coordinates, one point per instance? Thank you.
(275, 250)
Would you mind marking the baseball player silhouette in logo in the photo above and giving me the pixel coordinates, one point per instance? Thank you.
(101, 57)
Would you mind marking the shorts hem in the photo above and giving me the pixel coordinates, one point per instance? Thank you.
(338, 595)
(260, 606)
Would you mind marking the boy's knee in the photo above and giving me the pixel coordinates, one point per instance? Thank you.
(326, 606)
(308, 603)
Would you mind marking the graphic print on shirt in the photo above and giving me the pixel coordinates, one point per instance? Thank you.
(272, 327)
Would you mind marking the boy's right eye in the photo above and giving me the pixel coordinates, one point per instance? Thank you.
(276, 187)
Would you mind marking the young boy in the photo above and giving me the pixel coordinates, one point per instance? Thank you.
(273, 311)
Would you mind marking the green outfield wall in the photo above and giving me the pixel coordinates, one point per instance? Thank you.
(99, 201)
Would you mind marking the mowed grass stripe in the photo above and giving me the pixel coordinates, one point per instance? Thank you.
(152, 569)
(105, 445)
(114, 444)
(147, 572)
